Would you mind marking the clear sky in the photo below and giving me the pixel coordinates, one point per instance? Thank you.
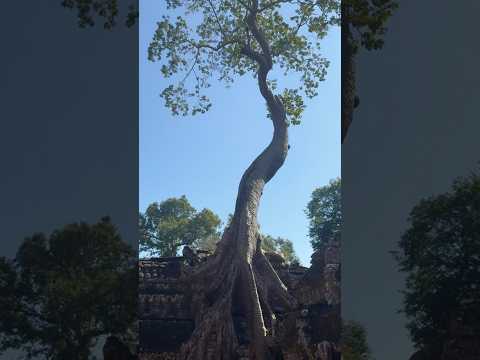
(204, 157)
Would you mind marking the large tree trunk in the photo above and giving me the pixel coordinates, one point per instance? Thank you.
(235, 290)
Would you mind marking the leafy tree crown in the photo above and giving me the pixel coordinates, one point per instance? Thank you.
(167, 225)
(325, 213)
(217, 40)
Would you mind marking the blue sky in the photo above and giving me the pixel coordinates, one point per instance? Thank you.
(203, 157)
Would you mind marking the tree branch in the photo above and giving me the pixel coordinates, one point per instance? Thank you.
(253, 55)
(246, 6)
(258, 34)
(218, 47)
(264, 61)
(192, 67)
(217, 19)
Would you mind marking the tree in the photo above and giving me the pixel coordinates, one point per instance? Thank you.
(281, 246)
(354, 343)
(363, 26)
(61, 293)
(324, 211)
(166, 226)
(223, 40)
(440, 255)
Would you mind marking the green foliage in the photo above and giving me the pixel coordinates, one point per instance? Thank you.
(281, 246)
(366, 20)
(166, 226)
(106, 10)
(325, 213)
(440, 254)
(211, 39)
(62, 292)
(354, 344)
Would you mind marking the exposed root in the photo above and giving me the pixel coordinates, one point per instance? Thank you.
(274, 287)
(234, 303)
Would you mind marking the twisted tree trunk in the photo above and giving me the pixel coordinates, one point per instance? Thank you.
(235, 289)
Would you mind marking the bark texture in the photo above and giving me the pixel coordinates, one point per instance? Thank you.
(236, 288)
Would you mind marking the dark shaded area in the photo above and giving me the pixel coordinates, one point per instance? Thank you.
(69, 142)
(164, 335)
(69, 139)
(415, 130)
(62, 293)
(440, 255)
(115, 349)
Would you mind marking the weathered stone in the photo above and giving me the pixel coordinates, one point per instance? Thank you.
(311, 332)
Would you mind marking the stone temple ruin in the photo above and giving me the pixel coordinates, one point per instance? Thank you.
(310, 332)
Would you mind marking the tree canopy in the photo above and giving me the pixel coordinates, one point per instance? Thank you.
(167, 225)
(440, 255)
(219, 40)
(325, 213)
(281, 246)
(62, 292)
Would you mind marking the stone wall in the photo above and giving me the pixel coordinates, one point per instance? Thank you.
(310, 332)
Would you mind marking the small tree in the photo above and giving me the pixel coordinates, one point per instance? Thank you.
(61, 293)
(325, 213)
(440, 254)
(166, 226)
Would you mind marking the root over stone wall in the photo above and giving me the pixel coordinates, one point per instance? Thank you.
(311, 331)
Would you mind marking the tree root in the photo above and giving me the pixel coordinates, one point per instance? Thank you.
(234, 302)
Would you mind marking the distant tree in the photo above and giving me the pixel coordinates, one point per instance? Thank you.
(354, 345)
(440, 255)
(209, 243)
(167, 225)
(281, 246)
(61, 293)
(325, 213)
